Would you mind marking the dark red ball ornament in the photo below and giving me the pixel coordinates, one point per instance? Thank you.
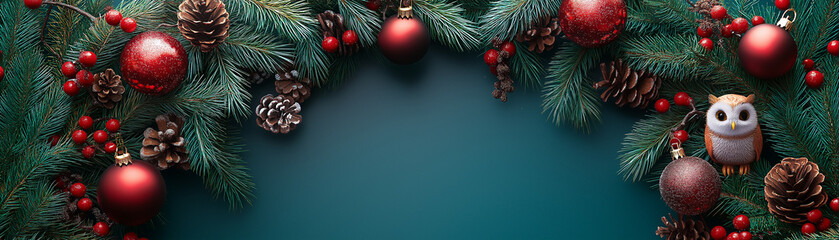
(689, 185)
(592, 23)
(404, 38)
(131, 194)
(154, 63)
(767, 51)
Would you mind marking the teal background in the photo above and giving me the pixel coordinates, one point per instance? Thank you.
(424, 152)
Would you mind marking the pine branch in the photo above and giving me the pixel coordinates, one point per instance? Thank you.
(568, 96)
(675, 57)
(506, 18)
(527, 67)
(223, 71)
(291, 18)
(365, 22)
(256, 51)
(666, 16)
(311, 61)
(447, 25)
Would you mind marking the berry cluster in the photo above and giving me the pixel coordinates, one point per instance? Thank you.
(741, 223)
(816, 221)
(79, 206)
(331, 44)
(491, 56)
(681, 99)
(114, 18)
(78, 77)
(736, 26)
(100, 137)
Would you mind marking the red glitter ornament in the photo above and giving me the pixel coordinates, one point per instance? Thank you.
(689, 185)
(592, 23)
(154, 63)
(132, 194)
(767, 51)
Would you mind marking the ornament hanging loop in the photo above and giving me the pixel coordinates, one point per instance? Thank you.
(787, 20)
(676, 150)
(121, 156)
(406, 9)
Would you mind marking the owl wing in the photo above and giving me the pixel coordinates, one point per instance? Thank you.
(758, 143)
(709, 143)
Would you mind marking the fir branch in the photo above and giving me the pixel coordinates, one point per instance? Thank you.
(506, 18)
(666, 55)
(447, 25)
(311, 61)
(568, 96)
(365, 22)
(667, 16)
(257, 51)
(528, 68)
(18, 28)
(291, 18)
(223, 71)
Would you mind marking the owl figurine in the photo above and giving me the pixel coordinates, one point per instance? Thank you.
(732, 134)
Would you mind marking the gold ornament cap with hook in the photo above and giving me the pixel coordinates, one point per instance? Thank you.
(122, 157)
(786, 21)
(405, 12)
(676, 150)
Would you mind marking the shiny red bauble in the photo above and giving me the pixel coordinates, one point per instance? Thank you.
(814, 79)
(782, 4)
(403, 40)
(68, 69)
(85, 122)
(824, 224)
(84, 77)
(592, 23)
(509, 47)
(814, 216)
(758, 20)
(78, 190)
(718, 233)
(349, 37)
(702, 32)
(88, 152)
(682, 99)
(113, 17)
(707, 43)
(330, 44)
(87, 58)
(491, 57)
(84, 204)
(154, 63)
(128, 25)
(718, 12)
(809, 64)
(662, 105)
(745, 235)
(741, 222)
(100, 136)
(690, 185)
(112, 125)
(833, 48)
(32, 4)
(101, 229)
(834, 204)
(740, 25)
(132, 194)
(79, 136)
(767, 51)
(808, 228)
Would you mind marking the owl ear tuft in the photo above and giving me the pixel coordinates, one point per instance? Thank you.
(712, 99)
(750, 98)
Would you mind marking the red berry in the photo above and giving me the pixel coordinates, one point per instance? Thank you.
(814, 216)
(718, 233)
(101, 229)
(128, 25)
(330, 44)
(682, 135)
(372, 5)
(726, 31)
(704, 32)
(808, 229)
(112, 125)
(824, 224)
(85, 122)
(757, 20)
(2, 73)
(733, 236)
(509, 47)
(77, 190)
(84, 204)
(87, 58)
(809, 64)
(662, 105)
(84, 77)
(833, 48)
(32, 4)
(834, 204)
(741, 222)
(707, 43)
(110, 147)
(113, 17)
(682, 99)
(782, 4)
(130, 236)
(100, 136)
(88, 151)
(71, 88)
(491, 57)
(718, 12)
(68, 69)
(740, 25)
(349, 37)
(814, 79)
(745, 235)
(54, 140)
(79, 136)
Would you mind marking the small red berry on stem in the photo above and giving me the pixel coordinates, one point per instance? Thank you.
(741, 222)
(682, 99)
(745, 235)
(77, 190)
(757, 20)
(84, 77)
(704, 32)
(824, 224)
(726, 31)
(718, 233)
(808, 229)
(110, 147)
(707, 43)
(814, 216)
(834, 204)
(128, 25)
(68, 69)
(71, 88)
(87, 59)
(662, 105)
(809, 64)
(79, 136)
(32, 4)
(101, 229)
(113, 17)
(718, 12)
(330, 44)
(130, 236)
(509, 47)
(782, 4)
(88, 152)
(112, 125)
(84, 204)
(349, 37)
(833, 48)
(491, 57)
(814, 79)
(681, 135)
(54, 140)
(85, 122)
(740, 25)
(733, 236)
(100, 136)
(372, 5)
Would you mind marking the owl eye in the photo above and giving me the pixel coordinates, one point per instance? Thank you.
(744, 115)
(721, 116)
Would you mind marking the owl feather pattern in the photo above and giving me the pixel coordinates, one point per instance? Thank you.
(732, 132)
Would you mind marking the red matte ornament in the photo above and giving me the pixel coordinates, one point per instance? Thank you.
(132, 194)
(767, 51)
(2, 73)
(690, 185)
(592, 23)
(403, 40)
(154, 63)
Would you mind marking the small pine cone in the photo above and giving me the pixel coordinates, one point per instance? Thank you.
(793, 188)
(683, 229)
(279, 114)
(627, 86)
(704, 7)
(542, 34)
(107, 89)
(332, 25)
(203, 23)
(291, 84)
(165, 146)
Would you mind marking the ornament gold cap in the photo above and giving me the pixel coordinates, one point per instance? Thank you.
(786, 22)
(121, 156)
(676, 150)
(405, 12)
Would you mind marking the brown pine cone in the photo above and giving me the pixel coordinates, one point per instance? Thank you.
(332, 25)
(704, 7)
(628, 87)
(165, 146)
(683, 229)
(793, 188)
(203, 23)
(542, 34)
(504, 84)
(107, 89)
(279, 114)
(291, 84)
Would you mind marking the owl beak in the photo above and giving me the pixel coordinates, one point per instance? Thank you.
(732, 125)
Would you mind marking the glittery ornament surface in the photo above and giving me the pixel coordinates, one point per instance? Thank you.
(154, 63)
(592, 23)
(690, 185)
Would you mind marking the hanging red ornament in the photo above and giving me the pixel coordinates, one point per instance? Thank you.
(689, 185)
(592, 23)
(404, 38)
(154, 63)
(131, 193)
(768, 51)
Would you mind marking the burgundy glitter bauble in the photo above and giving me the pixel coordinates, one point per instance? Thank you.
(767, 51)
(154, 63)
(690, 185)
(132, 194)
(403, 41)
(592, 23)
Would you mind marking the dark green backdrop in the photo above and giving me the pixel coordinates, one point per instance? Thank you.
(424, 152)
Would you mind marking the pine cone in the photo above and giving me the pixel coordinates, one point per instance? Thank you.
(203, 22)
(628, 87)
(279, 114)
(704, 7)
(683, 229)
(165, 146)
(107, 89)
(504, 84)
(332, 25)
(793, 188)
(542, 35)
(292, 85)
